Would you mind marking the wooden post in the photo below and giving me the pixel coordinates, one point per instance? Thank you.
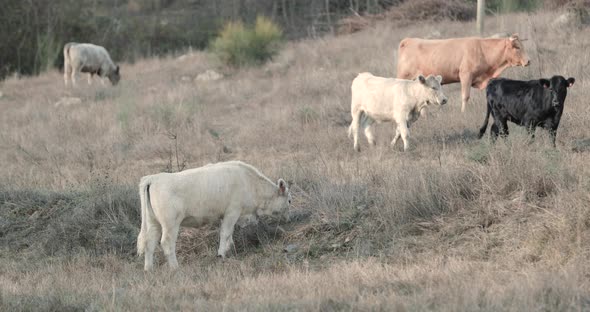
(481, 6)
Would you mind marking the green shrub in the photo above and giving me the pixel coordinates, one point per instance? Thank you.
(238, 45)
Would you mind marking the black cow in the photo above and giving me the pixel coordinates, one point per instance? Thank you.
(533, 103)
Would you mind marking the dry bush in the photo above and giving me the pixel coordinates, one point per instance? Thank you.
(354, 23)
(558, 4)
(420, 10)
(100, 220)
(411, 11)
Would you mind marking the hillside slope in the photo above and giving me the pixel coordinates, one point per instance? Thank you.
(455, 224)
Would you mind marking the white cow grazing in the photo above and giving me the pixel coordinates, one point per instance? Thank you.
(389, 99)
(194, 197)
(91, 59)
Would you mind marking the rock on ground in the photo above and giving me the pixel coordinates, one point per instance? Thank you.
(208, 75)
(68, 101)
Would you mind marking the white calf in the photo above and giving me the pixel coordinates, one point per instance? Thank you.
(203, 195)
(389, 99)
(91, 59)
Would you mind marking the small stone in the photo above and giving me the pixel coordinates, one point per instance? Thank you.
(501, 35)
(208, 75)
(582, 145)
(68, 101)
(435, 34)
(291, 248)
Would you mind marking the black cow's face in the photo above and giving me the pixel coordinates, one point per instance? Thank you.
(557, 85)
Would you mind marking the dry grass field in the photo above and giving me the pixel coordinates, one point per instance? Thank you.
(455, 224)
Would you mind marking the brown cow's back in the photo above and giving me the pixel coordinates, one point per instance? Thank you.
(437, 57)
(471, 61)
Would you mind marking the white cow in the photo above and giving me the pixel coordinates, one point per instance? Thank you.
(389, 99)
(91, 59)
(194, 197)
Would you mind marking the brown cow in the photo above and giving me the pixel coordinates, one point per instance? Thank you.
(471, 61)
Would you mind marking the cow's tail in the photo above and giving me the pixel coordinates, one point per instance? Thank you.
(146, 212)
(363, 122)
(67, 60)
(483, 128)
(67, 47)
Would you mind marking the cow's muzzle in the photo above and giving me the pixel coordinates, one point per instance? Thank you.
(528, 62)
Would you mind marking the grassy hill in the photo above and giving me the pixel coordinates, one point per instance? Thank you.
(455, 224)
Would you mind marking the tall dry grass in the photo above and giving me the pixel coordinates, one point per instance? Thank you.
(455, 224)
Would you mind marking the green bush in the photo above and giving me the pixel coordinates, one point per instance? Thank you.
(238, 45)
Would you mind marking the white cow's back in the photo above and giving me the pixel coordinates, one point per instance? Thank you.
(90, 54)
(205, 192)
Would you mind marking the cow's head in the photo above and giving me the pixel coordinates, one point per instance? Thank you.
(557, 86)
(279, 202)
(114, 76)
(432, 89)
(515, 53)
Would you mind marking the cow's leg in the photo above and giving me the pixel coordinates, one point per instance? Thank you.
(553, 135)
(404, 132)
(152, 236)
(168, 243)
(396, 136)
(502, 127)
(552, 128)
(465, 89)
(73, 76)
(369, 131)
(530, 129)
(398, 133)
(354, 129)
(90, 78)
(227, 230)
(494, 131)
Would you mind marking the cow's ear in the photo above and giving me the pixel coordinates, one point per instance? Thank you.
(545, 83)
(439, 78)
(282, 186)
(513, 37)
(421, 79)
(570, 81)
